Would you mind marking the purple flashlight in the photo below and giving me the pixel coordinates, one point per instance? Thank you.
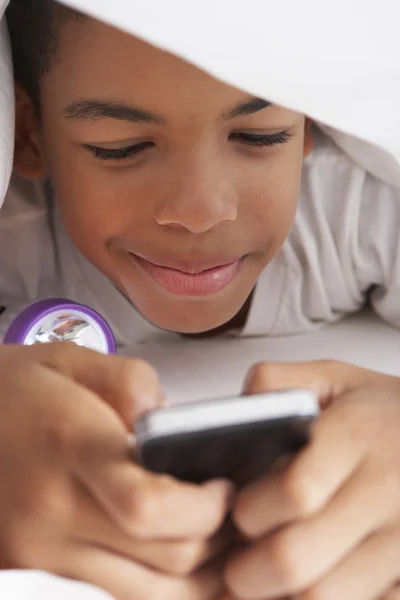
(58, 320)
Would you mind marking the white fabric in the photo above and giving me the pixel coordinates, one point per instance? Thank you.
(339, 62)
(33, 585)
(344, 241)
(215, 368)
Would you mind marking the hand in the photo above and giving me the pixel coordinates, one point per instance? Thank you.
(72, 502)
(327, 526)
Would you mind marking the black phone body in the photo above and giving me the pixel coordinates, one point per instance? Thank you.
(235, 438)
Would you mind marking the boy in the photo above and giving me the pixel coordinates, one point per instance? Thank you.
(168, 196)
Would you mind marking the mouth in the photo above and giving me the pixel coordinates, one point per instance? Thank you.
(185, 279)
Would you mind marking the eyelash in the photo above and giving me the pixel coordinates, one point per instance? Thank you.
(119, 153)
(262, 140)
(250, 139)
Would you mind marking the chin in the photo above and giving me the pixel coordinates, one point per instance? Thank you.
(193, 321)
(188, 316)
(187, 326)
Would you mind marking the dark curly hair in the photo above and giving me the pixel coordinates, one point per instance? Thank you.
(34, 27)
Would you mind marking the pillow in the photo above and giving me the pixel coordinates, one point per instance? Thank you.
(6, 106)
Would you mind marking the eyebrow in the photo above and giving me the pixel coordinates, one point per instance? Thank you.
(246, 108)
(86, 109)
(91, 110)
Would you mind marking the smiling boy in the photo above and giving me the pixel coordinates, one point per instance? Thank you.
(167, 180)
(172, 202)
(181, 190)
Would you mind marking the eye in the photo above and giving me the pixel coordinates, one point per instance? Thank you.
(259, 140)
(118, 153)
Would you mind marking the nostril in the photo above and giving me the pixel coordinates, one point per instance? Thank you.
(197, 221)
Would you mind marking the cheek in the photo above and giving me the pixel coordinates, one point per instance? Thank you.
(270, 197)
(98, 203)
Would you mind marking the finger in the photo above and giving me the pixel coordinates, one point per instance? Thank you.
(181, 558)
(150, 506)
(85, 436)
(69, 418)
(366, 574)
(278, 564)
(176, 557)
(131, 387)
(125, 579)
(327, 379)
(394, 594)
(141, 503)
(309, 482)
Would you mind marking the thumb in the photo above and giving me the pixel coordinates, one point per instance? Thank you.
(327, 379)
(130, 386)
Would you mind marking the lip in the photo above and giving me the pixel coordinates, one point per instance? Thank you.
(201, 279)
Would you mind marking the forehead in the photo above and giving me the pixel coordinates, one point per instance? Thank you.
(94, 58)
(98, 61)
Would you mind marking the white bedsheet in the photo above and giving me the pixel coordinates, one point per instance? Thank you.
(33, 585)
(196, 369)
(209, 368)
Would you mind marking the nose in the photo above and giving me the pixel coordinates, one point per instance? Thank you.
(200, 200)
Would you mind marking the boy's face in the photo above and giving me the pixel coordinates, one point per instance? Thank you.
(167, 180)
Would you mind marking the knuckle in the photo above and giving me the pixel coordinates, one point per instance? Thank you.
(264, 376)
(389, 483)
(132, 370)
(185, 558)
(138, 365)
(136, 375)
(319, 592)
(335, 371)
(57, 438)
(287, 556)
(143, 369)
(301, 492)
(167, 588)
(141, 507)
(125, 375)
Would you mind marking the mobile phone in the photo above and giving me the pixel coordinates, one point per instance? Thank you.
(238, 438)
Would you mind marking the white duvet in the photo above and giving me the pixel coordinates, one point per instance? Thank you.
(338, 61)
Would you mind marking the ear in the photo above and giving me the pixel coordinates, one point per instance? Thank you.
(28, 157)
(308, 137)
